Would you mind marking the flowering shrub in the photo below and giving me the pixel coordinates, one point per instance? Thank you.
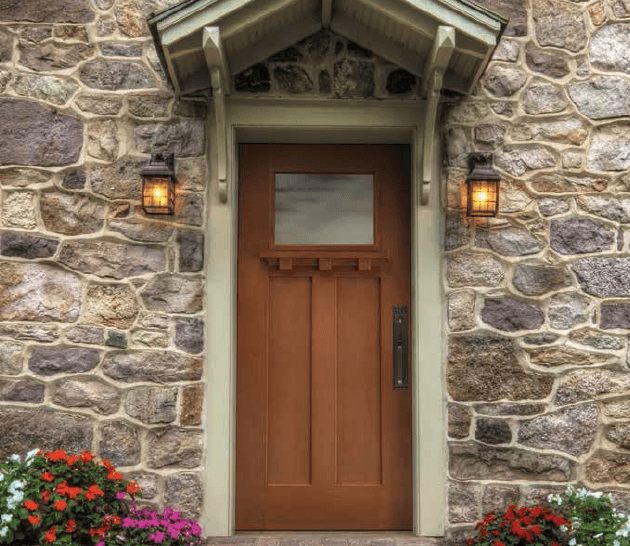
(56, 499)
(595, 521)
(524, 525)
(146, 527)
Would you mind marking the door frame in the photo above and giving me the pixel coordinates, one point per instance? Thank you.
(307, 121)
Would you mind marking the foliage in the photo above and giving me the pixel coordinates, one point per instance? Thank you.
(595, 521)
(521, 526)
(55, 499)
(145, 527)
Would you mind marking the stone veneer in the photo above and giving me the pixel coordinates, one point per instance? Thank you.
(101, 308)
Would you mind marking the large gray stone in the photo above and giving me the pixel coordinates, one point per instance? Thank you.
(140, 229)
(86, 392)
(25, 429)
(156, 366)
(6, 46)
(504, 81)
(509, 409)
(571, 430)
(152, 405)
(509, 241)
(120, 443)
(602, 97)
(607, 466)
(559, 25)
(103, 142)
(563, 131)
(463, 505)
(171, 446)
(189, 209)
(604, 277)
(596, 339)
(485, 368)
(43, 333)
(293, 79)
(579, 236)
(183, 492)
(618, 434)
(543, 98)
(44, 11)
(62, 359)
(461, 310)
(86, 334)
(615, 315)
(537, 278)
(473, 269)
(110, 259)
(148, 481)
(568, 183)
(567, 310)
(50, 56)
(48, 88)
(120, 180)
(547, 63)
(588, 384)
(610, 148)
(184, 137)
(22, 390)
(191, 246)
(38, 292)
(33, 135)
(517, 160)
(189, 334)
(492, 431)
(173, 294)
(480, 462)
(497, 497)
(457, 233)
(111, 305)
(21, 177)
(103, 106)
(191, 174)
(116, 75)
(609, 48)
(353, 78)
(511, 314)
(11, 357)
(459, 419)
(607, 206)
(71, 213)
(26, 245)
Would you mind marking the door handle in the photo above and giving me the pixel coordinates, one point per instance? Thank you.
(401, 370)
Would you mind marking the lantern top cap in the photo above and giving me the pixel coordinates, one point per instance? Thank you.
(161, 164)
(481, 168)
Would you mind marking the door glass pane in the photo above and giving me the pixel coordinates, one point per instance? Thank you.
(324, 209)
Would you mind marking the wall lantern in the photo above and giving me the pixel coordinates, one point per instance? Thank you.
(158, 185)
(483, 187)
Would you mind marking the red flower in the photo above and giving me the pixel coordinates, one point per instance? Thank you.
(62, 488)
(496, 533)
(92, 491)
(72, 460)
(114, 475)
(536, 529)
(133, 488)
(115, 520)
(559, 521)
(498, 543)
(59, 455)
(526, 520)
(45, 495)
(47, 476)
(86, 456)
(31, 505)
(74, 492)
(60, 505)
(34, 520)
(483, 533)
(536, 511)
(522, 511)
(529, 536)
(555, 544)
(50, 534)
(71, 526)
(470, 541)
(107, 465)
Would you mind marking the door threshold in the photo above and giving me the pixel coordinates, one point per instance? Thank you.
(325, 538)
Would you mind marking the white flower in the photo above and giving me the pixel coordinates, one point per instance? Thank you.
(1, 476)
(616, 543)
(572, 542)
(15, 486)
(6, 518)
(32, 453)
(15, 458)
(598, 535)
(563, 528)
(4, 531)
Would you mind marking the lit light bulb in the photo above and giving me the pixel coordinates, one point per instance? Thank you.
(481, 196)
(157, 193)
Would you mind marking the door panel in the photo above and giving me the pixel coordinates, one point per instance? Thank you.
(323, 439)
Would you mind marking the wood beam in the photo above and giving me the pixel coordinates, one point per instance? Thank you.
(441, 51)
(214, 51)
(398, 54)
(326, 13)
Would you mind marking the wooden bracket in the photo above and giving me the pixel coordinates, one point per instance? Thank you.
(443, 46)
(326, 13)
(220, 78)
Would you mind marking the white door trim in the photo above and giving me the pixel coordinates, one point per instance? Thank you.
(256, 120)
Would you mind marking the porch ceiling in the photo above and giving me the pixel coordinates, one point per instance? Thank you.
(404, 32)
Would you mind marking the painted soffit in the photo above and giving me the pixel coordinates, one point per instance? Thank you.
(417, 35)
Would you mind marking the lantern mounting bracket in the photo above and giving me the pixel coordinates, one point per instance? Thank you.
(216, 60)
(443, 46)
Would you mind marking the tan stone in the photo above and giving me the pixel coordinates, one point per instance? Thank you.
(551, 357)
(192, 405)
(18, 210)
(110, 305)
(606, 466)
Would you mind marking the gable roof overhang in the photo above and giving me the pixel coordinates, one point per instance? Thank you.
(456, 36)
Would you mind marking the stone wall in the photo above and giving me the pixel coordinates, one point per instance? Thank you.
(101, 307)
(538, 299)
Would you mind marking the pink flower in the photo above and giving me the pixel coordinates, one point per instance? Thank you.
(100, 543)
(120, 496)
(157, 537)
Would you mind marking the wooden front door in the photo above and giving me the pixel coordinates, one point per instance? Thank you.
(323, 439)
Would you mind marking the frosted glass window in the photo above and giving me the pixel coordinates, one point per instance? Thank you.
(324, 209)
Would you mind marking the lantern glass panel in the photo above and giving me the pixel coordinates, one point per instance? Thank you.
(483, 197)
(157, 195)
